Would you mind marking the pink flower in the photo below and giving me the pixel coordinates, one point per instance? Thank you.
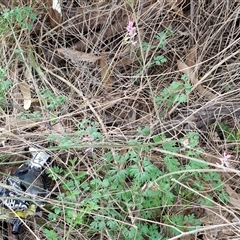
(134, 43)
(224, 160)
(131, 33)
(131, 29)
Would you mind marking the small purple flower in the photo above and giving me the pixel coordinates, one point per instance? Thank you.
(224, 160)
(134, 43)
(131, 29)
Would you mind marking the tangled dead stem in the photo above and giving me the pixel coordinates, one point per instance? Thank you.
(80, 54)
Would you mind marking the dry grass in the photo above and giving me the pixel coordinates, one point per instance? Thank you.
(107, 88)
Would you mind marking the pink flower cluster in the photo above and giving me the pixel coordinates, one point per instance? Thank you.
(224, 161)
(131, 33)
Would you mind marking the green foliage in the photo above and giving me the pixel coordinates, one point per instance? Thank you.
(52, 101)
(87, 132)
(129, 184)
(161, 38)
(162, 41)
(176, 92)
(126, 184)
(144, 131)
(229, 133)
(159, 60)
(50, 234)
(5, 85)
(30, 115)
(146, 46)
(20, 17)
(183, 223)
(89, 129)
(74, 210)
(65, 141)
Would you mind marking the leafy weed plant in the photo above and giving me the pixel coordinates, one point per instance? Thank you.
(131, 195)
(135, 191)
(229, 133)
(52, 101)
(161, 43)
(176, 92)
(86, 132)
(5, 85)
(20, 17)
